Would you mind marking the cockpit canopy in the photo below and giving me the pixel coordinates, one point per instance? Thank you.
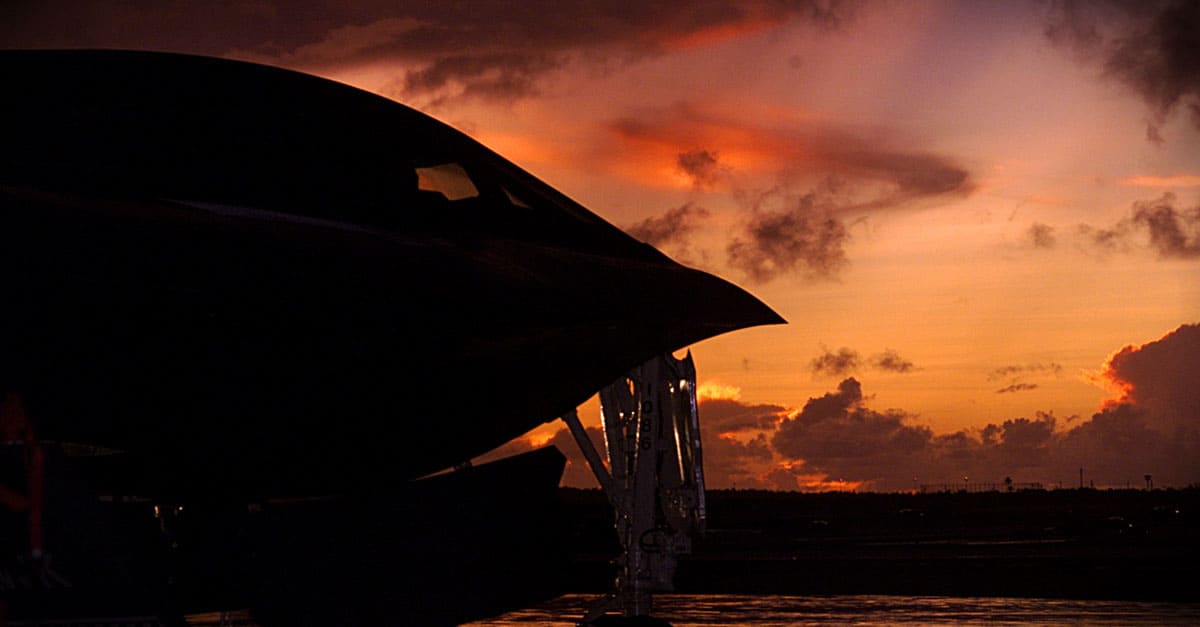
(218, 132)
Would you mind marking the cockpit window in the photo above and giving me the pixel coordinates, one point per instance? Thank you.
(448, 179)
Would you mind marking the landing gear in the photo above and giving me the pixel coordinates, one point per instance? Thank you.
(654, 478)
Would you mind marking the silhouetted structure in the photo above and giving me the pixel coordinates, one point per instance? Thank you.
(246, 284)
(1007, 486)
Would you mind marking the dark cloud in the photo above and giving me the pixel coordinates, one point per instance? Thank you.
(1154, 427)
(1107, 240)
(702, 166)
(891, 361)
(806, 235)
(846, 360)
(1017, 387)
(1002, 372)
(728, 415)
(489, 77)
(1020, 447)
(737, 452)
(870, 172)
(1173, 232)
(1161, 378)
(832, 364)
(804, 238)
(672, 227)
(730, 462)
(1021, 432)
(1117, 446)
(913, 175)
(485, 48)
(799, 226)
(838, 435)
(1151, 47)
(1160, 60)
(1041, 235)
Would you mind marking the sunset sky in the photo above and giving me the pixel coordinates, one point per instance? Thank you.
(963, 209)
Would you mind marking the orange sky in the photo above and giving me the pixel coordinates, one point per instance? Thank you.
(1000, 195)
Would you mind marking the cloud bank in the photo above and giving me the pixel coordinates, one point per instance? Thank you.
(839, 441)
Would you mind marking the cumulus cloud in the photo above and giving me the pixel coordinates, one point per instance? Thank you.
(838, 435)
(1160, 378)
(1117, 444)
(1153, 427)
(1151, 47)
(1021, 447)
(1020, 432)
(804, 238)
(487, 48)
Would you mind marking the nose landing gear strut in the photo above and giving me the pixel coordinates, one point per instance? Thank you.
(654, 479)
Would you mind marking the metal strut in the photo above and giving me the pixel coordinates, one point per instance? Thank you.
(654, 477)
